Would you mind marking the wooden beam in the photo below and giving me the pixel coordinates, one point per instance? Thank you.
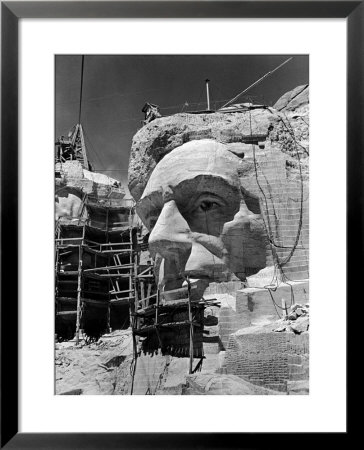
(191, 326)
(122, 266)
(70, 300)
(69, 239)
(99, 276)
(68, 272)
(149, 328)
(149, 290)
(108, 318)
(148, 269)
(121, 292)
(79, 283)
(67, 313)
(121, 301)
(142, 295)
(116, 251)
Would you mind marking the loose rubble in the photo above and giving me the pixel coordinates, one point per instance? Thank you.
(296, 321)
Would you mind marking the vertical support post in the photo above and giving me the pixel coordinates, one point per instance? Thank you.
(107, 220)
(56, 269)
(57, 257)
(149, 291)
(136, 299)
(135, 351)
(57, 264)
(131, 258)
(109, 296)
(157, 306)
(284, 308)
(79, 283)
(142, 293)
(191, 325)
(131, 267)
(207, 94)
(59, 230)
(156, 320)
(116, 262)
(108, 318)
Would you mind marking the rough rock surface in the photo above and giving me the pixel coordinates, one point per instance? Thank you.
(294, 99)
(73, 182)
(101, 368)
(273, 355)
(292, 132)
(104, 368)
(223, 384)
(287, 127)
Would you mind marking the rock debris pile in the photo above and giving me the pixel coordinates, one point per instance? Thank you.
(297, 319)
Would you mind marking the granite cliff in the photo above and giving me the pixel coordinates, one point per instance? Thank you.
(285, 126)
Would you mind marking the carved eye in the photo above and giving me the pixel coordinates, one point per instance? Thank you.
(207, 205)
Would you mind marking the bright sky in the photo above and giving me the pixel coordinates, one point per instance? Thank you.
(115, 89)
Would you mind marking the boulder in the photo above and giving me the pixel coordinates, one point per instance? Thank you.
(294, 99)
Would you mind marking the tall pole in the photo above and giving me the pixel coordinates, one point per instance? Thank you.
(79, 110)
(79, 287)
(207, 94)
(191, 325)
(256, 82)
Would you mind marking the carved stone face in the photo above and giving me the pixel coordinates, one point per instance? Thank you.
(196, 214)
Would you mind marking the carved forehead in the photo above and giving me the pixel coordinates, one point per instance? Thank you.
(194, 159)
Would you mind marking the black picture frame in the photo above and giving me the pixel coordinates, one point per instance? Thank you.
(11, 12)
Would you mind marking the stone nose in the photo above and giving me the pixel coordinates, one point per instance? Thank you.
(170, 236)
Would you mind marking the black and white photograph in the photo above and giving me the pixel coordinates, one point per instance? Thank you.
(181, 224)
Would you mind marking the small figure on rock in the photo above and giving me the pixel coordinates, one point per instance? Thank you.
(151, 112)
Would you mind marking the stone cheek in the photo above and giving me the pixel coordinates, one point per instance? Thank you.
(245, 240)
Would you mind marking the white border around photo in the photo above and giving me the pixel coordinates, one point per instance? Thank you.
(324, 409)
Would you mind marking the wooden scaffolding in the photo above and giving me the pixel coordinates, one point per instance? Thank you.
(95, 269)
(172, 322)
(72, 147)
